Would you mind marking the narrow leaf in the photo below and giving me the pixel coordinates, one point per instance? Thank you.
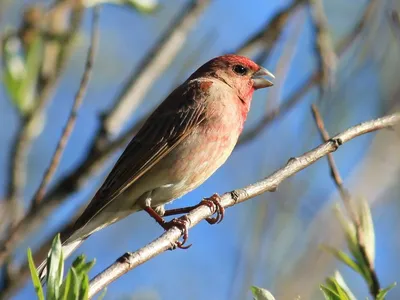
(65, 287)
(261, 294)
(329, 293)
(344, 258)
(53, 274)
(339, 279)
(75, 286)
(84, 288)
(35, 277)
(367, 227)
(383, 292)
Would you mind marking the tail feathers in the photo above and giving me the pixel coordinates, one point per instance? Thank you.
(67, 250)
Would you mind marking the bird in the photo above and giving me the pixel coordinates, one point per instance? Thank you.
(182, 143)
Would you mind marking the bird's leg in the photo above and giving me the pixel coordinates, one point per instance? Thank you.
(213, 203)
(182, 224)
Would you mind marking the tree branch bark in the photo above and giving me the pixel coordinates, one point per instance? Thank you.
(166, 241)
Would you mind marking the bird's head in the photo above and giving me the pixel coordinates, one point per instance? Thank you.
(239, 72)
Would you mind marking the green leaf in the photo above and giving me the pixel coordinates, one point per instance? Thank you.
(35, 277)
(382, 293)
(81, 266)
(261, 294)
(329, 293)
(349, 230)
(339, 279)
(336, 288)
(352, 242)
(32, 66)
(334, 285)
(142, 6)
(21, 73)
(345, 259)
(75, 286)
(65, 287)
(84, 288)
(367, 227)
(55, 262)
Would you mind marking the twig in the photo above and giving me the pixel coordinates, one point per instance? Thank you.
(267, 37)
(347, 201)
(327, 59)
(74, 111)
(167, 240)
(152, 67)
(394, 21)
(296, 96)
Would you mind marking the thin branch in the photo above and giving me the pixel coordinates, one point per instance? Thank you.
(347, 201)
(152, 67)
(266, 38)
(309, 83)
(394, 21)
(167, 240)
(327, 59)
(344, 194)
(74, 111)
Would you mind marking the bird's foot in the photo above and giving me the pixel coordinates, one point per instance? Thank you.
(182, 224)
(214, 203)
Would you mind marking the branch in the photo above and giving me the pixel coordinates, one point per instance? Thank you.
(167, 240)
(314, 78)
(267, 37)
(152, 67)
(327, 59)
(74, 111)
(347, 201)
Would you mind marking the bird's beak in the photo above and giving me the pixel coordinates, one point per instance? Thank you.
(259, 82)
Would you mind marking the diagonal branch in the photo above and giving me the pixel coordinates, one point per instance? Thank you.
(167, 240)
(327, 59)
(266, 38)
(347, 201)
(74, 112)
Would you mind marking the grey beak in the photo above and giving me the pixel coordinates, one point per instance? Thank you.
(259, 82)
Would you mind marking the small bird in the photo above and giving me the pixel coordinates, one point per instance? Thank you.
(183, 142)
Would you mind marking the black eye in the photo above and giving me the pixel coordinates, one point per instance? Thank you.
(240, 70)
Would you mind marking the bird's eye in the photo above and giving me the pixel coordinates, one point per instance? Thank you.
(240, 70)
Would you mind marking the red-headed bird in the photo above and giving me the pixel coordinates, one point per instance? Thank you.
(183, 142)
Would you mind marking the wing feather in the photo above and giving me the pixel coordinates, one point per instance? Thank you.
(167, 126)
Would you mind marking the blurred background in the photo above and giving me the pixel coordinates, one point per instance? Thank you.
(342, 55)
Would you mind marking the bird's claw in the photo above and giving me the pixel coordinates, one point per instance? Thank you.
(182, 224)
(214, 203)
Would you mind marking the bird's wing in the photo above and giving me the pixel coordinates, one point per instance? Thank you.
(169, 124)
